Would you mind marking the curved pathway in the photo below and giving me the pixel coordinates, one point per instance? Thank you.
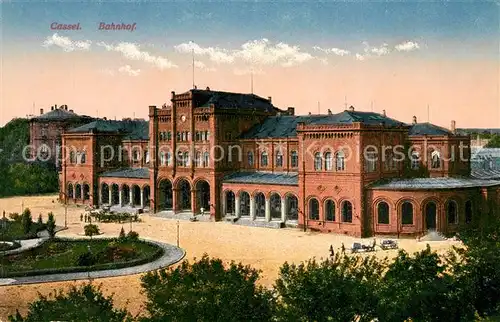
(171, 256)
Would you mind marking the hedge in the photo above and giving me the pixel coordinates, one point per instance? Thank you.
(79, 269)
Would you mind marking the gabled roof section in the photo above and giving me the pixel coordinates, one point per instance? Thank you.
(60, 115)
(205, 98)
(131, 129)
(428, 129)
(285, 126)
(350, 117)
(432, 183)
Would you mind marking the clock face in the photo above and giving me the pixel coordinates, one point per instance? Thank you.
(183, 118)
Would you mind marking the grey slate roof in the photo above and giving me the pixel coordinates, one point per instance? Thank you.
(485, 174)
(205, 98)
(132, 129)
(465, 131)
(135, 173)
(431, 183)
(285, 126)
(428, 129)
(287, 179)
(60, 114)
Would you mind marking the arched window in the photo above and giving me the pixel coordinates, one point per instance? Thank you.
(146, 156)
(197, 160)
(407, 213)
(452, 212)
(346, 211)
(340, 161)
(70, 190)
(279, 159)
(371, 161)
(313, 209)
(329, 210)
(263, 159)
(383, 213)
(250, 158)
(317, 161)
(163, 159)
(185, 158)
(435, 160)
(415, 160)
(72, 158)
(206, 159)
(389, 162)
(468, 211)
(180, 157)
(294, 159)
(83, 157)
(169, 159)
(328, 161)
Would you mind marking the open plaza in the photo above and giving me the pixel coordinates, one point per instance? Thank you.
(263, 248)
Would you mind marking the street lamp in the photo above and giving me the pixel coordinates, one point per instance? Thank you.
(177, 233)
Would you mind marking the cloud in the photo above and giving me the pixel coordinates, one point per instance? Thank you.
(215, 54)
(335, 51)
(378, 51)
(247, 71)
(407, 46)
(201, 65)
(360, 57)
(66, 43)
(129, 71)
(258, 52)
(133, 52)
(263, 52)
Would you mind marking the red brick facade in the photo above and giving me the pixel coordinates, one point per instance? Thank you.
(329, 184)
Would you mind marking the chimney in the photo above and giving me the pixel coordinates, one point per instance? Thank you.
(104, 118)
(173, 94)
(414, 120)
(453, 128)
(55, 107)
(66, 107)
(208, 88)
(291, 110)
(71, 111)
(351, 108)
(309, 113)
(52, 108)
(329, 112)
(383, 113)
(41, 111)
(270, 99)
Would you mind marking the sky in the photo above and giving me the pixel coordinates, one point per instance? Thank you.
(436, 60)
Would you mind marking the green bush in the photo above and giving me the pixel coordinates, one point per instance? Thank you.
(27, 221)
(132, 235)
(51, 225)
(86, 259)
(122, 235)
(40, 220)
(91, 230)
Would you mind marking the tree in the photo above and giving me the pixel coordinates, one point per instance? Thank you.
(40, 220)
(82, 304)
(422, 288)
(51, 225)
(206, 290)
(91, 230)
(26, 221)
(341, 288)
(494, 141)
(122, 235)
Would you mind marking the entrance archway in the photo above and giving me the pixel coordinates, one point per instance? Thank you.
(430, 216)
(275, 201)
(105, 193)
(184, 195)
(292, 206)
(115, 194)
(136, 195)
(260, 205)
(203, 195)
(165, 195)
(230, 203)
(125, 195)
(146, 194)
(244, 204)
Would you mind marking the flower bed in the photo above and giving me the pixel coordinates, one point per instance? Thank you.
(69, 256)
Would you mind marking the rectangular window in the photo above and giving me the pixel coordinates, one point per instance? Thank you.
(371, 162)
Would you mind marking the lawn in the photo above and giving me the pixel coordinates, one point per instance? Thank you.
(57, 256)
(13, 230)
